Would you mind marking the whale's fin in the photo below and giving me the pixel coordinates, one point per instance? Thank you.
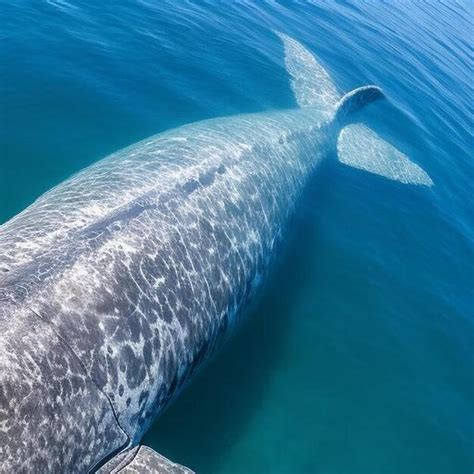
(357, 145)
(313, 87)
(142, 460)
(362, 148)
(311, 84)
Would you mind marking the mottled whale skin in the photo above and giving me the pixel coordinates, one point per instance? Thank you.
(137, 265)
(116, 285)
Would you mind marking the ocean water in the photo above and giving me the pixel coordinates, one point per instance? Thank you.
(358, 357)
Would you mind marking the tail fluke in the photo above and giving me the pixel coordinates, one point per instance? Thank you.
(313, 87)
(357, 145)
(310, 82)
(360, 147)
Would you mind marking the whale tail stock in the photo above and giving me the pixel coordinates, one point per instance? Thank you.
(357, 145)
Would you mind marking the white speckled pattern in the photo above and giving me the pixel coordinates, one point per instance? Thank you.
(117, 284)
(139, 264)
(311, 83)
(360, 147)
(148, 460)
(51, 415)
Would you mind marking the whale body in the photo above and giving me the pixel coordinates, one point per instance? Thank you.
(118, 284)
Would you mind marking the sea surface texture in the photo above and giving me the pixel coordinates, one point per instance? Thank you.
(358, 358)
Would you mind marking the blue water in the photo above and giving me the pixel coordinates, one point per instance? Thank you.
(359, 356)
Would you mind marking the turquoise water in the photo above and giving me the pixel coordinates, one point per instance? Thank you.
(358, 358)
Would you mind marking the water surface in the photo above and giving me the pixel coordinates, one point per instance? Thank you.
(358, 357)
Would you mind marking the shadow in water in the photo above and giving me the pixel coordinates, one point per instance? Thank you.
(214, 411)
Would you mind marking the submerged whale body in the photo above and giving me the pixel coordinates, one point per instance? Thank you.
(116, 285)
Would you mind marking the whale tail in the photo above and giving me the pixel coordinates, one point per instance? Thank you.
(357, 145)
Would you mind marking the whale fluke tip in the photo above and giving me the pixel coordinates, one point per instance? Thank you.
(360, 147)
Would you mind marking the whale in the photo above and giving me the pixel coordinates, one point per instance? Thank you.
(118, 284)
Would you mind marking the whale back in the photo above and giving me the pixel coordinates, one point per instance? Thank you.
(143, 291)
(48, 403)
(133, 270)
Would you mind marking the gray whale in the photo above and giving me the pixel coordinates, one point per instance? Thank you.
(118, 284)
